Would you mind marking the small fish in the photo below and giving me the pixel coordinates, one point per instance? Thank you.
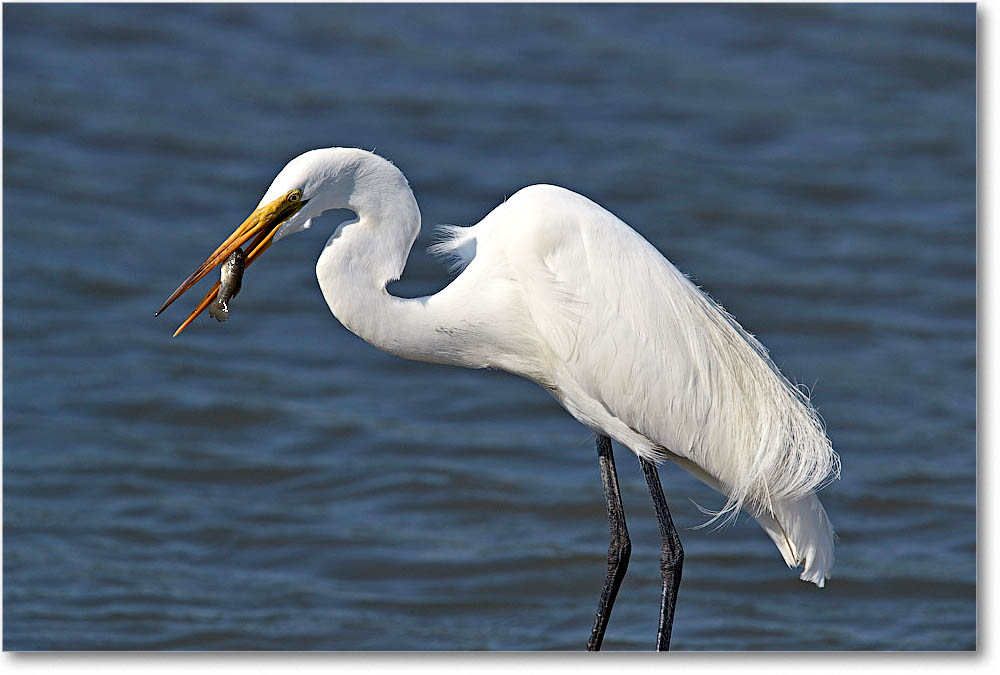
(231, 280)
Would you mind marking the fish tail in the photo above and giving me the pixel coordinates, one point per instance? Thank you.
(219, 310)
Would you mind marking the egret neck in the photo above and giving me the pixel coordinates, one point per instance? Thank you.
(367, 253)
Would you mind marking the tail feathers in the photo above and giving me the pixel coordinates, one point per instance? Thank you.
(803, 534)
(799, 528)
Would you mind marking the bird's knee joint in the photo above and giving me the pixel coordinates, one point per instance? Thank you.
(619, 553)
(672, 560)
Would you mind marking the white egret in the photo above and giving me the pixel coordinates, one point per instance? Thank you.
(554, 288)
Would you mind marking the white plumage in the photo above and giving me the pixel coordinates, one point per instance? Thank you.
(554, 288)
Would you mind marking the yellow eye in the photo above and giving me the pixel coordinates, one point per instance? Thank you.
(294, 196)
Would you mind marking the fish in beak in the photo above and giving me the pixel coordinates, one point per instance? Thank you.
(258, 229)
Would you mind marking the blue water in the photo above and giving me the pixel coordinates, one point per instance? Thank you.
(276, 483)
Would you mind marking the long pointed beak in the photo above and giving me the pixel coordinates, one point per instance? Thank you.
(260, 226)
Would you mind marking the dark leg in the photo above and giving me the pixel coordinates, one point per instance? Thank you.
(619, 548)
(671, 556)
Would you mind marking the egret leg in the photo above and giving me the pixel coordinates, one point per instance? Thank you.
(671, 556)
(619, 546)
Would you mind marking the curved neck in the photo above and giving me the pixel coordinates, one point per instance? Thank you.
(365, 254)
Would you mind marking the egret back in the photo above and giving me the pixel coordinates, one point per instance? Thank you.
(639, 352)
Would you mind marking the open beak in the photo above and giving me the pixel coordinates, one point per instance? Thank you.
(258, 229)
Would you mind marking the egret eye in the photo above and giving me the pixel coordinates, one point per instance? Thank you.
(295, 196)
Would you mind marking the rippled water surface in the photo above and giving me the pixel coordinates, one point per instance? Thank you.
(276, 483)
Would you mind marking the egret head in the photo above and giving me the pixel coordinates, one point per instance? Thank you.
(326, 178)
(313, 182)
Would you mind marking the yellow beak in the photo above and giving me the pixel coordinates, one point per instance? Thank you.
(260, 226)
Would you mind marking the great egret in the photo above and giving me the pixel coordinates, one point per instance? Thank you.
(554, 288)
